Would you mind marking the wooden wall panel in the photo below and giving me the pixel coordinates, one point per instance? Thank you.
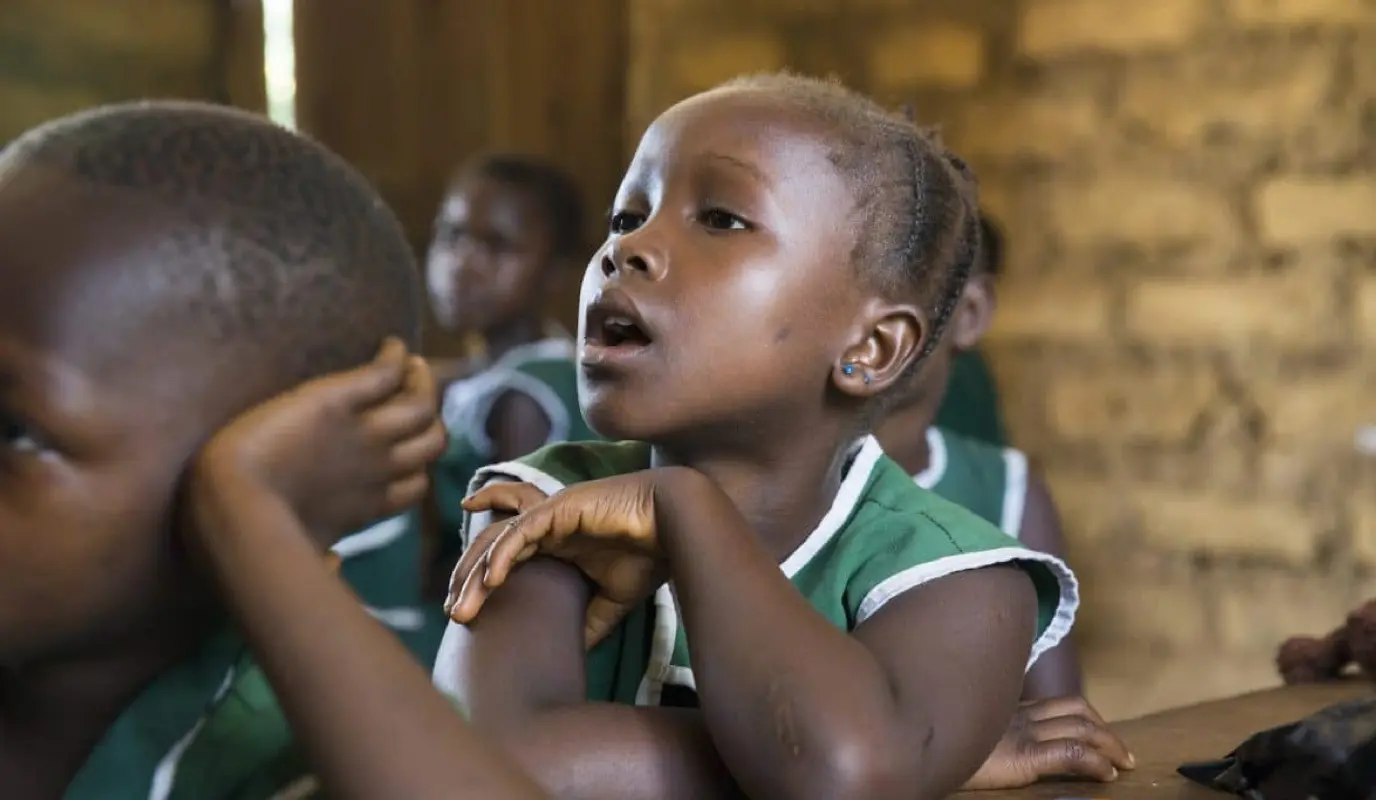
(408, 89)
(60, 56)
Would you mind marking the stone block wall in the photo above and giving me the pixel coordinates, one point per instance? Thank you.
(1188, 321)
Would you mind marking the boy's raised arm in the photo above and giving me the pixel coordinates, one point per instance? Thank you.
(369, 721)
(270, 491)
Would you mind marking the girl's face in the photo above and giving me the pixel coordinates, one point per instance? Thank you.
(725, 292)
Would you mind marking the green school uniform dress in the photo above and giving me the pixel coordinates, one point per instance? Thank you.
(971, 404)
(882, 536)
(382, 565)
(210, 727)
(985, 478)
(544, 371)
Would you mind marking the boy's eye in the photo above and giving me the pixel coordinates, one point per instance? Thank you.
(720, 220)
(625, 221)
(16, 437)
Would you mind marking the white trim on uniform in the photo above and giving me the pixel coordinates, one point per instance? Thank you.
(936, 460)
(662, 642)
(165, 774)
(302, 788)
(847, 498)
(1014, 491)
(398, 619)
(660, 671)
(474, 420)
(1066, 606)
(468, 402)
(377, 537)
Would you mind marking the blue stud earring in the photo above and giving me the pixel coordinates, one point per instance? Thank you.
(867, 379)
(848, 369)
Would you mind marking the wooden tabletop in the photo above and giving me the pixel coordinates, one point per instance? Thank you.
(1161, 742)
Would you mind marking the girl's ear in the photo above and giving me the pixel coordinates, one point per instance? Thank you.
(892, 337)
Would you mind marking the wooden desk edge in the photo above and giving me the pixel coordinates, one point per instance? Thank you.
(1164, 740)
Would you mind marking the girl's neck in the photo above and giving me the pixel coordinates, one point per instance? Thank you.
(504, 338)
(782, 493)
(904, 436)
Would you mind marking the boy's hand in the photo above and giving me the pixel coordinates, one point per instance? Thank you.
(606, 528)
(342, 450)
(1064, 736)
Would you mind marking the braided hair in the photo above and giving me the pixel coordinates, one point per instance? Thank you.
(918, 226)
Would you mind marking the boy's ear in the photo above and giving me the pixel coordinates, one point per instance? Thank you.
(974, 312)
(890, 340)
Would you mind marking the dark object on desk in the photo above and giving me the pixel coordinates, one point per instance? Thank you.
(1330, 755)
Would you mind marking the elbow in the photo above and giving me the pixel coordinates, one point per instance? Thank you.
(865, 767)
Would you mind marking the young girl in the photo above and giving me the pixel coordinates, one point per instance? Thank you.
(774, 607)
(508, 233)
(992, 480)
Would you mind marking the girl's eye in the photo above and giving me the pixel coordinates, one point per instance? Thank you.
(625, 222)
(720, 220)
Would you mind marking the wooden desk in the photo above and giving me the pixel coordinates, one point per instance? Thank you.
(1161, 742)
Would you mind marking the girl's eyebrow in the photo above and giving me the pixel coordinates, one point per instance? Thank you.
(737, 163)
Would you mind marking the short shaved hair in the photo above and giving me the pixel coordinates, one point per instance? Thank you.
(274, 249)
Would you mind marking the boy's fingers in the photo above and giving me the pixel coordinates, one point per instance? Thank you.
(407, 492)
(377, 380)
(419, 452)
(401, 417)
(420, 381)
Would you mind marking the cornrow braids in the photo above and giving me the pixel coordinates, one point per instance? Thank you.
(553, 190)
(917, 225)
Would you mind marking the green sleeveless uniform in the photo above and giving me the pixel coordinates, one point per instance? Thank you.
(210, 728)
(882, 536)
(971, 404)
(544, 371)
(382, 565)
(984, 478)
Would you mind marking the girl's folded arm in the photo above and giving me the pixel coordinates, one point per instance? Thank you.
(909, 706)
(519, 670)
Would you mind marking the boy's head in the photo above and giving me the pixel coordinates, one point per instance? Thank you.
(779, 245)
(508, 229)
(165, 266)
